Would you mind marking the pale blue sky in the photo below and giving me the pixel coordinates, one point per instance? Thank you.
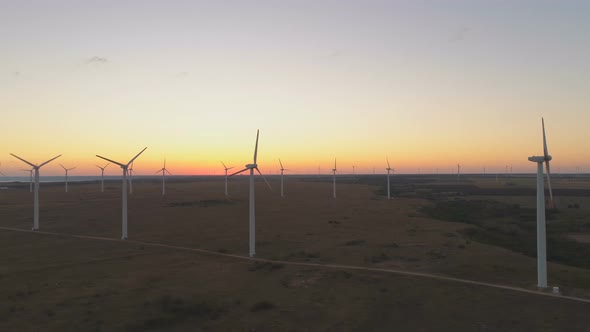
(425, 82)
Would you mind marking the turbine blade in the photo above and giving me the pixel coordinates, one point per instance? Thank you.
(158, 171)
(224, 165)
(164, 163)
(167, 172)
(238, 172)
(71, 168)
(388, 166)
(268, 184)
(546, 153)
(334, 163)
(62, 166)
(281, 163)
(230, 168)
(105, 166)
(549, 183)
(17, 157)
(140, 152)
(112, 161)
(48, 161)
(256, 147)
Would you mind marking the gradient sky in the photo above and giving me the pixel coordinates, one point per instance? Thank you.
(426, 83)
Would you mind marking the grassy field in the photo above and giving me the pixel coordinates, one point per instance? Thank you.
(437, 226)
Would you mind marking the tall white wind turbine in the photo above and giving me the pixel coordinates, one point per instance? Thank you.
(124, 190)
(102, 176)
(67, 170)
(541, 235)
(36, 195)
(226, 169)
(164, 171)
(334, 179)
(30, 178)
(389, 169)
(131, 179)
(251, 168)
(282, 182)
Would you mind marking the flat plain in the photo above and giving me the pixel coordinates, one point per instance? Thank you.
(327, 264)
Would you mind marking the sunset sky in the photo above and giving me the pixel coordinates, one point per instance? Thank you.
(427, 83)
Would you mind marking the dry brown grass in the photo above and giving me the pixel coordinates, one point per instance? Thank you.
(61, 283)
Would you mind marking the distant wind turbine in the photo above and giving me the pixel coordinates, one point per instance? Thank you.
(36, 196)
(102, 176)
(282, 170)
(67, 170)
(541, 235)
(334, 179)
(124, 190)
(389, 169)
(226, 169)
(164, 171)
(458, 170)
(252, 226)
(1, 172)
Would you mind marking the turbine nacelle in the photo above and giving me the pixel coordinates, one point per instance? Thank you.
(251, 166)
(540, 159)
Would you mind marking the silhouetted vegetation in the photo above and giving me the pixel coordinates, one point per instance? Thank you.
(266, 266)
(169, 311)
(262, 305)
(513, 227)
(203, 203)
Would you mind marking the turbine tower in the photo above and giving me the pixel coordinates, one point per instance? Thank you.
(36, 195)
(124, 190)
(252, 226)
(67, 170)
(131, 179)
(226, 169)
(389, 169)
(541, 236)
(458, 170)
(102, 176)
(164, 171)
(334, 179)
(282, 169)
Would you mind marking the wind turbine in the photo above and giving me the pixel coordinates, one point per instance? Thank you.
(36, 196)
(67, 170)
(334, 180)
(164, 171)
(30, 178)
(458, 170)
(131, 179)
(1, 172)
(389, 169)
(541, 236)
(226, 169)
(124, 190)
(282, 169)
(252, 226)
(102, 176)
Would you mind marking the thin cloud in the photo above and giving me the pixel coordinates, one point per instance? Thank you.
(459, 35)
(97, 60)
